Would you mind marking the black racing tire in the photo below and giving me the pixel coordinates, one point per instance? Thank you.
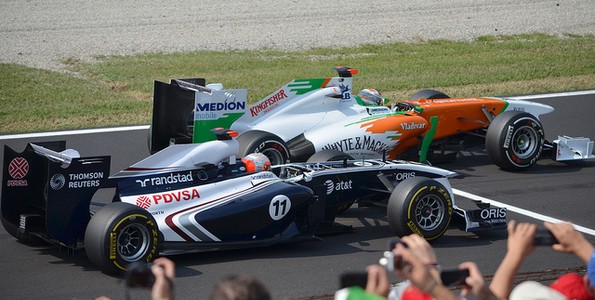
(428, 94)
(514, 140)
(419, 205)
(266, 143)
(329, 155)
(120, 234)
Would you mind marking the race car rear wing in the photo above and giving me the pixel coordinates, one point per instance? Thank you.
(47, 191)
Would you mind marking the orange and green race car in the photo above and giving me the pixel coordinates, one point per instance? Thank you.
(322, 119)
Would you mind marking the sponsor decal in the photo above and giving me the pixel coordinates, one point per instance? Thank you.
(268, 104)
(345, 91)
(337, 186)
(493, 213)
(404, 175)
(518, 108)
(508, 137)
(18, 169)
(84, 180)
(279, 207)
(214, 106)
(413, 126)
(263, 175)
(57, 181)
(378, 110)
(166, 179)
(146, 201)
(143, 202)
(358, 143)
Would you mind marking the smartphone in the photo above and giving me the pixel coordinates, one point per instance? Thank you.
(544, 237)
(350, 279)
(455, 277)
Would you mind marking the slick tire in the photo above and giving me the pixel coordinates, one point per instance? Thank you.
(428, 94)
(419, 205)
(514, 140)
(329, 155)
(266, 143)
(119, 234)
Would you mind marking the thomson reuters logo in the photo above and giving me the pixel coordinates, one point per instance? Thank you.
(57, 181)
(18, 168)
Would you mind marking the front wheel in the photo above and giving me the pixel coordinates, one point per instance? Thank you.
(119, 234)
(272, 146)
(419, 205)
(514, 140)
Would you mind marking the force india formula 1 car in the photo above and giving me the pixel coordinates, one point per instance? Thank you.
(310, 115)
(200, 197)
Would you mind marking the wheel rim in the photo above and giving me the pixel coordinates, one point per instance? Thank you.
(275, 156)
(133, 242)
(525, 142)
(429, 213)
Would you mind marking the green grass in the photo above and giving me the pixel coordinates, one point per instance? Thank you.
(118, 90)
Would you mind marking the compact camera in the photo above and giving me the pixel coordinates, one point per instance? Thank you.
(139, 274)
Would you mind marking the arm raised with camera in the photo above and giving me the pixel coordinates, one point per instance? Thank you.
(519, 246)
(569, 240)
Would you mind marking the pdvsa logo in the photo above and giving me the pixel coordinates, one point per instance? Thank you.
(145, 201)
(18, 168)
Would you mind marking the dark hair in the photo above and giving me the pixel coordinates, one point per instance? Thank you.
(239, 287)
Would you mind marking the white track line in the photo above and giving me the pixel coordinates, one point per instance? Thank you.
(521, 211)
(72, 132)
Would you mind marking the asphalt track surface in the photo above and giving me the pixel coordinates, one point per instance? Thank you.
(310, 270)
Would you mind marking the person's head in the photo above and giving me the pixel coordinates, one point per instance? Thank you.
(371, 97)
(256, 162)
(239, 287)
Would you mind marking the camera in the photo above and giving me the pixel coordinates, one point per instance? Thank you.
(389, 260)
(139, 274)
(544, 237)
(455, 277)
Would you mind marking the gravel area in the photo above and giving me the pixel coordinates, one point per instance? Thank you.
(42, 33)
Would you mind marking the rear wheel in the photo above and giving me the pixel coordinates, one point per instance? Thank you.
(272, 146)
(428, 94)
(419, 205)
(514, 140)
(119, 234)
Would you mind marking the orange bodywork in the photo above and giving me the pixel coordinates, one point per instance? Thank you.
(455, 115)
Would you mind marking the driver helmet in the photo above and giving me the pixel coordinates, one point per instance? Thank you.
(256, 162)
(371, 97)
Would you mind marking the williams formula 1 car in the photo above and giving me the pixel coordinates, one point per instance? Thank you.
(310, 115)
(201, 197)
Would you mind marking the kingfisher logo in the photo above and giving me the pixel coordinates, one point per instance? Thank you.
(146, 201)
(18, 168)
(268, 104)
